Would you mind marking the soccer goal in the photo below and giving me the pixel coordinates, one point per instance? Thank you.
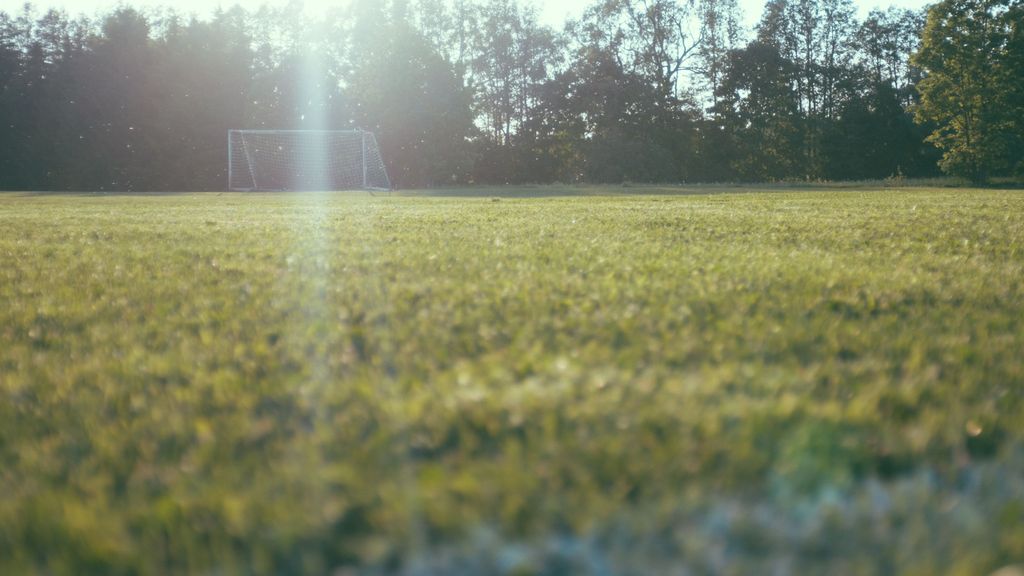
(305, 160)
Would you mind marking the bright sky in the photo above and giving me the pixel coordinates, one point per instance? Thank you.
(553, 12)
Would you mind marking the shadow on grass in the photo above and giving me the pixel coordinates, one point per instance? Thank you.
(510, 191)
(576, 190)
(105, 193)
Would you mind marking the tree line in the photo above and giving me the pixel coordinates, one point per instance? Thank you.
(481, 92)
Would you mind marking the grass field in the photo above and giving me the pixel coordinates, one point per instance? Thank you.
(553, 381)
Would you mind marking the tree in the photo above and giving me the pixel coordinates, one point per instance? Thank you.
(118, 96)
(1010, 74)
(817, 40)
(513, 60)
(760, 109)
(970, 54)
(626, 133)
(720, 30)
(203, 71)
(625, 113)
(407, 93)
(882, 136)
(885, 42)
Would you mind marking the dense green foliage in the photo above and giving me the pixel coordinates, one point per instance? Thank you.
(293, 383)
(973, 51)
(466, 91)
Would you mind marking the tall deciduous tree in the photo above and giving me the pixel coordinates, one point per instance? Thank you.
(720, 33)
(760, 110)
(885, 41)
(970, 53)
(407, 93)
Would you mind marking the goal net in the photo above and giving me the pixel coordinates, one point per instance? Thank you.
(305, 160)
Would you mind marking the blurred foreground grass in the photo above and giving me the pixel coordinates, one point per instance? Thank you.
(298, 383)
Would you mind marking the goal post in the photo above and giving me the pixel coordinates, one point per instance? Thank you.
(272, 160)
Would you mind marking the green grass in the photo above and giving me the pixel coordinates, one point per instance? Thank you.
(292, 383)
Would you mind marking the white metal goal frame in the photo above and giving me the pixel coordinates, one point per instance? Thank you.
(276, 160)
